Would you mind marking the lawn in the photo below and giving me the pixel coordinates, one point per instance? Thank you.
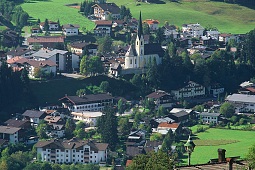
(235, 142)
(228, 18)
(57, 9)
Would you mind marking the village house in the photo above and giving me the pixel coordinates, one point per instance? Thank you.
(153, 24)
(20, 52)
(70, 29)
(56, 126)
(90, 102)
(72, 151)
(164, 127)
(225, 38)
(45, 41)
(103, 28)
(79, 47)
(161, 98)
(181, 115)
(45, 67)
(171, 30)
(10, 134)
(195, 30)
(214, 34)
(53, 26)
(88, 117)
(35, 30)
(136, 138)
(192, 89)
(242, 102)
(207, 117)
(216, 89)
(34, 116)
(103, 11)
(65, 60)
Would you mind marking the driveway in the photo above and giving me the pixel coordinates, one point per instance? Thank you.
(75, 76)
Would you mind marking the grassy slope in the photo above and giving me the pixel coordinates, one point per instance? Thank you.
(226, 17)
(203, 154)
(56, 9)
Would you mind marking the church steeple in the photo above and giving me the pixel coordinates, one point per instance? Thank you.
(140, 27)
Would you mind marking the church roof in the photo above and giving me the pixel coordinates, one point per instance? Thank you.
(154, 48)
(140, 26)
(131, 51)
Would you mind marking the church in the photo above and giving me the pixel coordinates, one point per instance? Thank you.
(139, 55)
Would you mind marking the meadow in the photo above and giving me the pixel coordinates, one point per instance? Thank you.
(236, 143)
(57, 9)
(229, 18)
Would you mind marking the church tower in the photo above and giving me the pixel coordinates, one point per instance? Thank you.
(139, 43)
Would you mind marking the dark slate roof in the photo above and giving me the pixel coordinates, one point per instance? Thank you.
(33, 113)
(8, 130)
(15, 123)
(18, 51)
(88, 98)
(132, 151)
(157, 94)
(154, 48)
(153, 143)
(180, 114)
(209, 114)
(71, 26)
(140, 26)
(111, 7)
(71, 144)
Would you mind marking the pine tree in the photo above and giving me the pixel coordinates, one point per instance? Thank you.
(46, 25)
(168, 141)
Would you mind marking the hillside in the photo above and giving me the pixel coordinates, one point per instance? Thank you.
(230, 18)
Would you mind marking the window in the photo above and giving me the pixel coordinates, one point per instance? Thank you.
(130, 61)
(141, 42)
(135, 61)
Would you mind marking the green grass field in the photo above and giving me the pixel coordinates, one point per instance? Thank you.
(226, 17)
(235, 142)
(57, 9)
(229, 18)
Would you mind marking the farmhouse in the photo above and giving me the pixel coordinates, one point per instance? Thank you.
(103, 11)
(34, 116)
(103, 28)
(153, 24)
(161, 98)
(164, 127)
(53, 26)
(139, 55)
(242, 102)
(91, 102)
(46, 67)
(195, 30)
(209, 117)
(46, 41)
(79, 47)
(72, 151)
(70, 29)
(192, 89)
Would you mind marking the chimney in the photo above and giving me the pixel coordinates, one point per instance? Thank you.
(221, 155)
(230, 163)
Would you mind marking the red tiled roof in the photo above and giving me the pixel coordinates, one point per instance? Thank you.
(151, 21)
(17, 59)
(103, 22)
(251, 89)
(169, 125)
(45, 39)
(41, 63)
(128, 162)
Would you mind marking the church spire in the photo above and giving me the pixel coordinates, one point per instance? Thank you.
(140, 26)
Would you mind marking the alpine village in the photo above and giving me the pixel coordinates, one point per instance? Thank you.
(127, 85)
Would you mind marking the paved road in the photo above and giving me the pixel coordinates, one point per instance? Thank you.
(76, 76)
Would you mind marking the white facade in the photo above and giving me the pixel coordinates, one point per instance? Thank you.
(84, 154)
(216, 91)
(71, 31)
(90, 118)
(242, 102)
(191, 90)
(209, 117)
(86, 107)
(102, 30)
(46, 69)
(213, 34)
(196, 30)
(9, 133)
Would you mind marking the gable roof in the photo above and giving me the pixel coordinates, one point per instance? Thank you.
(16, 123)
(18, 51)
(169, 125)
(33, 113)
(8, 130)
(71, 26)
(16, 60)
(151, 21)
(209, 114)
(180, 113)
(46, 53)
(44, 63)
(109, 7)
(46, 39)
(157, 94)
(103, 23)
(88, 98)
(241, 98)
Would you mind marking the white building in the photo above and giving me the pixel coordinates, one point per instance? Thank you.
(153, 24)
(195, 30)
(79, 47)
(104, 11)
(242, 102)
(103, 28)
(53, 26)
(192, 89)
(140, 55)
(47, 67)
(72, 151)
(10, 134)
(207, 117)
(34, 116)
(213, 34)
(225, 38)
(164, 127)
(20, 52)
(90, 118)
(70, 29)
(65, 60)
(91, 102)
